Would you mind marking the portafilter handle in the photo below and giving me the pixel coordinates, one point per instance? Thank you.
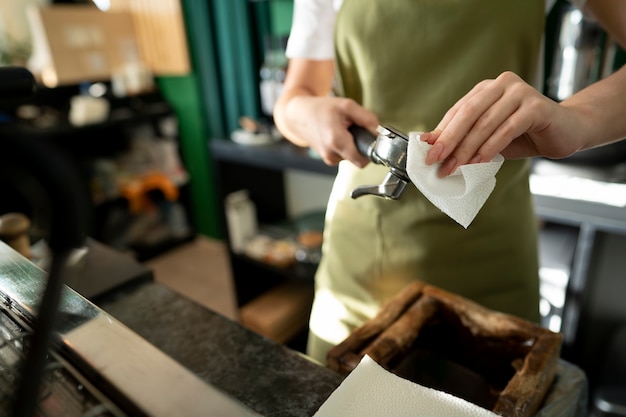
(364, 140)
(388, 149)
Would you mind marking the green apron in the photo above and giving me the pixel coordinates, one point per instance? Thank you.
(409, 61)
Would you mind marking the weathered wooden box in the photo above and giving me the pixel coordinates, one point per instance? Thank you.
(444, 341)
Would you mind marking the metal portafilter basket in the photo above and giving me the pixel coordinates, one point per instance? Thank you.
(389, 148)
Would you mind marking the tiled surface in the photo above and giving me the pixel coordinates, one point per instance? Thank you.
(200, 271)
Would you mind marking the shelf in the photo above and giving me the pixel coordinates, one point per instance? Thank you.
(143, 253)
(260, 170)
(297, 271)
(276, 156)
(117, 118)
(105, 138)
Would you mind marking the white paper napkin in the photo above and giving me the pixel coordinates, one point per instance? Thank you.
(460, 195)
(371, 390)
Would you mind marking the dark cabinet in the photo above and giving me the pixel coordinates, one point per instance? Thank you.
(261, 171)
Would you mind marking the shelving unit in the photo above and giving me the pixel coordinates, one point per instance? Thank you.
(106, 140)
(260, 170)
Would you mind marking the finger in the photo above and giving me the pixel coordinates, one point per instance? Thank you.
(430, 137)
(347, 149)
(451, 113)
(434, 154)
(509, 139)
(465, 117)
(480, 144)
(354, 114)
(507, 133)
(447, 167)
(364, 119)
(329, 157)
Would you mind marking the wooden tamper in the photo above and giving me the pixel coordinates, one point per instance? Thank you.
(14, 229)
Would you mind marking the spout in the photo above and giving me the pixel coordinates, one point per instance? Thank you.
(391, 188)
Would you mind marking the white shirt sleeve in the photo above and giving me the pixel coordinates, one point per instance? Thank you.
(312, 29)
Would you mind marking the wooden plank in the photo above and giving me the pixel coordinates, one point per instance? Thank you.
(76, 43)
(517, 358)
(345, 356)
(160, 31)
(396, 340)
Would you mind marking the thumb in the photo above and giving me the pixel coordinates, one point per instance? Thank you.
(364, 118)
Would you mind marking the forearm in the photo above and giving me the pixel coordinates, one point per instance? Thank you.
(307, 115)
(283, 119)
(601, 108)
(306, 79)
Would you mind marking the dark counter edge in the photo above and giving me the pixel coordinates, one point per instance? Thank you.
(268, 377)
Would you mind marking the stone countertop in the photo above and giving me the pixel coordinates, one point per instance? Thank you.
(268, 377)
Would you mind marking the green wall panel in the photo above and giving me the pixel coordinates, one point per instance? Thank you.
(201, 40)
(182, 94)
(225, 39)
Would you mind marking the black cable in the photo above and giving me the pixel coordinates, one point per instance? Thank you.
(26, 397)
(68, 201)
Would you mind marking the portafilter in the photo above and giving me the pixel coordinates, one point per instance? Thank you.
(389, 148)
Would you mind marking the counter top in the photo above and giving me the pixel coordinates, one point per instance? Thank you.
(268, 377)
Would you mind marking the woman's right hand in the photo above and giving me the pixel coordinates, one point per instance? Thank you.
(308, 116)
(508, 116)
(322, 123)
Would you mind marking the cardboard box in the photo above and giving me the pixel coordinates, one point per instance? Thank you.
(160, 30)
(76, 43)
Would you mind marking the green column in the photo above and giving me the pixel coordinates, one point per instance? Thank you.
(182, 94)
(197, 101)
(225, 46)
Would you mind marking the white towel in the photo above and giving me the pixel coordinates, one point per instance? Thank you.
(371, 390)
(460, 195)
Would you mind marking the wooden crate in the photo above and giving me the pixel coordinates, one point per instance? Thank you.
(447, 342)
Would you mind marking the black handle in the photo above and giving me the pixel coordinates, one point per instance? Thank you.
(363, 139)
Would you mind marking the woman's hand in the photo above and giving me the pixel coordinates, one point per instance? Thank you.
(507, 116)
(308, 116)
(322, 123)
